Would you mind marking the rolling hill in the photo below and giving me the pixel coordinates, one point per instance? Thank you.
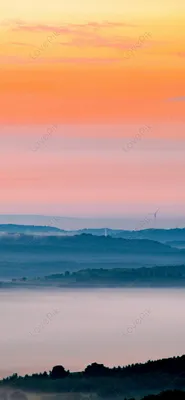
(38, 255)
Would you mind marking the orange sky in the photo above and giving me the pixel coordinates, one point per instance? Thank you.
(95, 72)
(90, 94)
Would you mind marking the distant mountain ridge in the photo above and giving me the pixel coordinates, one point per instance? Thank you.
(27, 229)
(85, 242)
(126, 222)
(40, 254)
(160, 235)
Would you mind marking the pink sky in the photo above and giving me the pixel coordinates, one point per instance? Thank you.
(81, 85)
(70, 174)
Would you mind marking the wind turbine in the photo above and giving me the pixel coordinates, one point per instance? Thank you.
(155, 214)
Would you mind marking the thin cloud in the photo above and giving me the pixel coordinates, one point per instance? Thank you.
(86, 34)
(84, 60)
(94, 40)
(41, 28)
(177, 99)
(181, 54)
(107, 24)
(13, 60)
(120, 43)
(11, 22)
(70, 28)
(58, 60)
(21, 44)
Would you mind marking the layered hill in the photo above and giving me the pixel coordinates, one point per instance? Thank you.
(38, 255)
(172, 236)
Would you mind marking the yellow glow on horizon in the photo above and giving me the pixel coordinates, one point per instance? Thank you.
(121, 9)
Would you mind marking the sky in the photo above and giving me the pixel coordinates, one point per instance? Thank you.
(92, 98)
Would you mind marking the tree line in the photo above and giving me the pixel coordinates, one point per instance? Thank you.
(160, 375)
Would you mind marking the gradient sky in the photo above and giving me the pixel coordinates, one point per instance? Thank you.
(92, 101)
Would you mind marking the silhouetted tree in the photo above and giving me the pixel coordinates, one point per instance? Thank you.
(168, 395)
(96, 370)
(58, 372)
